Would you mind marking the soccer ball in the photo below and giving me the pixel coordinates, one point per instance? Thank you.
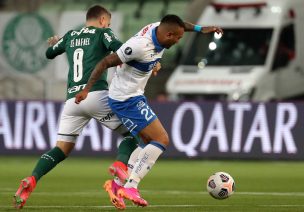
(220, 185)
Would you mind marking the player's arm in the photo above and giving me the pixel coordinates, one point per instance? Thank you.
(109, 61)
(57, 46)
(189, 27)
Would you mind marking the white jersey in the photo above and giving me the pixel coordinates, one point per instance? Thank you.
(139, 55)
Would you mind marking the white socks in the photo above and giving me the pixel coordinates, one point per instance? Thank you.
(118, 182)
(146, 159)
(133, 159)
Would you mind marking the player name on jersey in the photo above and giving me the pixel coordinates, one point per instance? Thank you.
(80, 42)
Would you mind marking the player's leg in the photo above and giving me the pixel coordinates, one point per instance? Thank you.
(45, 164)
(146, 159)
(71, 124)
(126, 147)
(134, 158)
(103, 113)
(72, 121)
(118, 169)
(129, 143)
(136, 116)
(106, 117)
(53, 157)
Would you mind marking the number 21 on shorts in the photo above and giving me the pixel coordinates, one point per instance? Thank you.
(147, 112)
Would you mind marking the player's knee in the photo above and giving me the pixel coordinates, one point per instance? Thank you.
(65, 147)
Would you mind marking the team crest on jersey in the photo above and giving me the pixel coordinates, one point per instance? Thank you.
(128, 51)
(140, 105)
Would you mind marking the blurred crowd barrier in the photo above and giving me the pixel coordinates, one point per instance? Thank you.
(210, 130)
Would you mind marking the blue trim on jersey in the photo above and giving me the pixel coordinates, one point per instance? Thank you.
(146, 67)
(159, 145)
(142, 145)
(157, 45)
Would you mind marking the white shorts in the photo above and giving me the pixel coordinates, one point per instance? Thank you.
(74, 116)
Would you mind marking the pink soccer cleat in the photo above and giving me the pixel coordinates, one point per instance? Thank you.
(133, 195)
(25, 189)
(119, 169)
(111, 187)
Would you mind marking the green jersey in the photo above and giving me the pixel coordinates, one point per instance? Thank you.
(84, 49)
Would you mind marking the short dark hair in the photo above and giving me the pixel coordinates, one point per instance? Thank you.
(173, 19)
(96, 11)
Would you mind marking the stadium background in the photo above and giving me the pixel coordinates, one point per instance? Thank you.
(128, 18)
(206, 136)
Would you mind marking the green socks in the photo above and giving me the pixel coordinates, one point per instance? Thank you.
(50, 159)
(47, 162)
(126, 147)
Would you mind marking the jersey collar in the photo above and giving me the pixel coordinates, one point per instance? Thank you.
(157, 45)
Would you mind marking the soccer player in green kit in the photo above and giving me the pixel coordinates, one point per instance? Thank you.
(84, 49)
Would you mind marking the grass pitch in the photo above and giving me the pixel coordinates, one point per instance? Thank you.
(172, 185)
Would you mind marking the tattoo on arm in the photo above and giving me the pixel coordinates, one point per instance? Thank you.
(109, 61)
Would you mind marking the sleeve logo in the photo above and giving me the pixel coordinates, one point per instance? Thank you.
(57, 44)
(108, 37)
(128, 51)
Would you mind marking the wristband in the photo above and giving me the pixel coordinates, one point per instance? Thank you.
(197, 28)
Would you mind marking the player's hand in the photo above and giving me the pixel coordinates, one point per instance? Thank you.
(53, 40)
(82, 95)
(156, 69)
(212, 29)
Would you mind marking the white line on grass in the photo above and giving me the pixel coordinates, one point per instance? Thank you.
(281, 205)
(169, 192)
(239, 193)
(150, 206)
(109, 206)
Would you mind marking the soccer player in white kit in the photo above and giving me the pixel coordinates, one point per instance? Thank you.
(136, 59)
